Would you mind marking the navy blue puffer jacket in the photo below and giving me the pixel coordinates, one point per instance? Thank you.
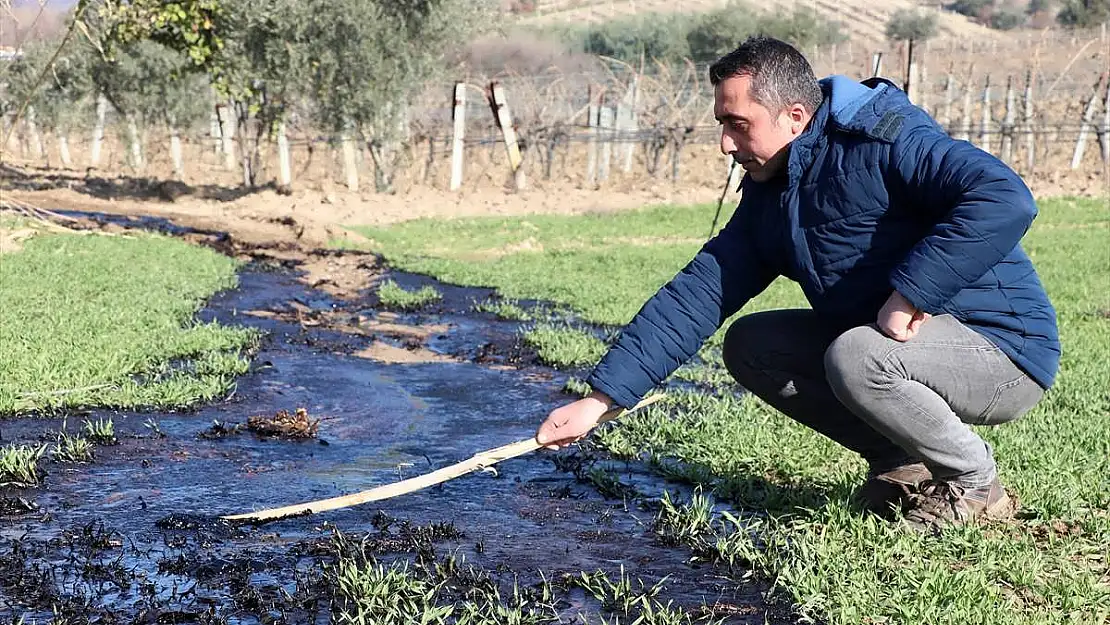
(876, 198)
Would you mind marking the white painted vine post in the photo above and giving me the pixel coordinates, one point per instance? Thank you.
(1008, 123)
(458, 136)
(1104, 133)
(285, 163)
(591, 145)
(913, 90)
(63, 149)
(985, 120)
(136, 144)
(98, 130)
(350, 164)
(1027, 120)
(508, 132)
(946, 119)
(631, 124)
(37, 149)
(227, 135)
(214, 131)
(605, 123)
(965, 120)
(1085, 124)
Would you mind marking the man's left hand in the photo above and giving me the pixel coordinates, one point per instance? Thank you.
(898, 318)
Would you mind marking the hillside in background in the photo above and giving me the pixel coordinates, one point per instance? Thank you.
(864, 21)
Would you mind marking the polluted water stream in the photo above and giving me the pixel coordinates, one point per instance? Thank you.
(135, 535)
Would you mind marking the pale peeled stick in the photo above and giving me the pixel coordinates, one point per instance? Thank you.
(476, 462)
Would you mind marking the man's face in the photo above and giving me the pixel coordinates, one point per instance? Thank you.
(755, 137)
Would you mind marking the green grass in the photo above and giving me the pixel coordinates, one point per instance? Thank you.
(101, 432)
(576, 386)
(72, 449)
(605, 266)
(504, 309)
(444, 590)
(1049, 566)
(109, 321)
(19, 465)
(561, 346)
(392, 295)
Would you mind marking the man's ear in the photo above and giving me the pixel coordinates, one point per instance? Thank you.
(798, 116)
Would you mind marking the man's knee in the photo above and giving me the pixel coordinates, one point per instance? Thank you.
(856, 359)
(736, 351)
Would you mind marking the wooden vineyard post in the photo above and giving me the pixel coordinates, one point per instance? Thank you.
(985, 120)
(623, 123)
(1008, 123)
(605, 123)
(175, 152)
(11, 141)
(946, 119)
(631, 124)
(458, 135)
(922, 78)
(1085, 124)
(285, 165)
(37, 149)
(591, 145)
(350, 164)
(98, 130)
(136, 145)
(227, 134)
(965, 120)
(1104, 132)
(1027, 115)
(913, 90)
(505, 123)
(63, 150)
(214, 131)
(908, 79)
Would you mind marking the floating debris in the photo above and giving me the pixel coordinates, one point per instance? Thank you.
(219, 430)
(285, 425)
(15, 506)
(207, 529)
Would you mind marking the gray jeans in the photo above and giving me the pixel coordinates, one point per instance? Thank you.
(891, 402)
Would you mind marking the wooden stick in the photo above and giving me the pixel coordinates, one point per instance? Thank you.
(474, 463)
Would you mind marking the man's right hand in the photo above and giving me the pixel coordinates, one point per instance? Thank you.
(573, 421)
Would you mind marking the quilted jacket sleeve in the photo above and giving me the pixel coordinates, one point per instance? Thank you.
(981, 209)
(676, 321)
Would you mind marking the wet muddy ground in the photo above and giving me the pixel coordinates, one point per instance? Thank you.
(133, 536)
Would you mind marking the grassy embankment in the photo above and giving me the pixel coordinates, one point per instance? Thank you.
(1049, 566)
(95, 320)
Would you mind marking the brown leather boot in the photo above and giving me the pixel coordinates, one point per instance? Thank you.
(941, 504)
(887, 492)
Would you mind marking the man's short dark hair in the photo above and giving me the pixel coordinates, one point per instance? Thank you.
(780, 75)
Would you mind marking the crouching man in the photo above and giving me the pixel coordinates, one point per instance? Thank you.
(926, 315)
